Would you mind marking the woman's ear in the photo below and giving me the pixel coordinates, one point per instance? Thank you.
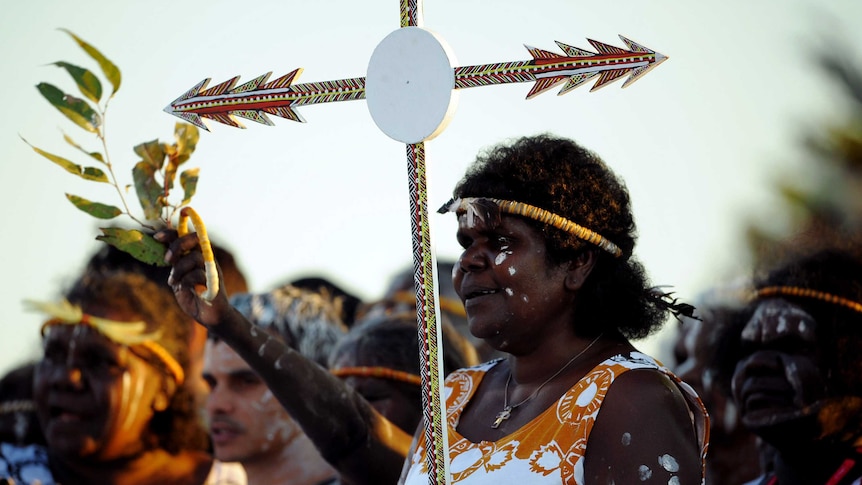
(580, 268)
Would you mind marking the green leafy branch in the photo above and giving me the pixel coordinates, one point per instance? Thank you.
(154, 175)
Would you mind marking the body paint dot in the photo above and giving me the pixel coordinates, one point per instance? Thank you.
(499, 259)
(509, 291)
(669, 463)
(673, 481)
(626, 439)
(512, 270)
(644, 473)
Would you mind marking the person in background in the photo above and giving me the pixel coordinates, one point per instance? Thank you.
(548, 276)
(400, 296)
(247, 424)
(379, 358)
(109, 258)
(18, 424)
(110, 390)
(797, 378)
(734, 451)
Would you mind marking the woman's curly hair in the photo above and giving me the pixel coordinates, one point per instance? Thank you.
(178, 427)
(560, 176)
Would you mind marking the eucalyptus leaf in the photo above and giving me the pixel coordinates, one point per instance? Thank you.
(96, 155)
(187, 139)
(95, 209)
(76, 109)
(87, 173)
(150, 192)
(139, 245)
(152, 153)
(189, 181)
(87, 82)
(112, 73)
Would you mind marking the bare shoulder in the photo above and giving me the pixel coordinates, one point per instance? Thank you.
(644, 433)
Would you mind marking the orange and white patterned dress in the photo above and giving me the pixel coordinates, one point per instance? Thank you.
(550, 448)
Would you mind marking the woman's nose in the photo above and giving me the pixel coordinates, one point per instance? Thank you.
(471, 260)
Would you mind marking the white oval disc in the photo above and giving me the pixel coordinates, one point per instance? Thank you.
(410, 85)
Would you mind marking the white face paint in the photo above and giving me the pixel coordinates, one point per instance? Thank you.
(509, 291)
(669, 463)
(673, 481)
(500, 258)
(626, 439)
(512, 270)
(644, 473)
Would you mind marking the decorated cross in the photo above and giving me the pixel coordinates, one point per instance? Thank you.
(411, 89)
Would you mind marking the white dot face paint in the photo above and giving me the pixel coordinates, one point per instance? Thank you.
(500, 258)
(669, 463)
(644, 473)
(626, 439)
(673, 481)
(512, 270)
(509, 291)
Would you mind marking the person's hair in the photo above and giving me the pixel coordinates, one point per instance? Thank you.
(560, 176)
(392, 341)
(178, 427)
(305, 320)
(109, 258)
(839, 329)
(347, 303)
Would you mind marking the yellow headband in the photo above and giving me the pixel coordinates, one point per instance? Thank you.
(535, 213)
(808, 293)
(124, 333)
(448, 305)
(380, 372)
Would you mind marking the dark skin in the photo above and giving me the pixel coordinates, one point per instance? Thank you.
(783, 396)
(523, 304)
(95, 399)
(519, 303)
(349, 433)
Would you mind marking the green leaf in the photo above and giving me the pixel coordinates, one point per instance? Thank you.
(141, 246)
(112, 73)
(189, 181)
(95, 209)
(87, 82)
(96, 155)
(187, 139)
(149, 190)
(152, 153)
(87, 173)
(76, 109)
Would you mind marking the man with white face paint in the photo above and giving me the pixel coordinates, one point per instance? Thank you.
(247, 424)
(798, 382)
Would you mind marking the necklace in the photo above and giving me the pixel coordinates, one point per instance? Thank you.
(506, 413)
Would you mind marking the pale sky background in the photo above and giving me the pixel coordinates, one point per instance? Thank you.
(697, 139)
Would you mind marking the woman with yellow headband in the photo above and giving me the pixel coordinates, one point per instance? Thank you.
(109, 390)
(547, 276)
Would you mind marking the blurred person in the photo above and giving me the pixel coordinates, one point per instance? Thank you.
(247, 424)
(400, 296)
(347, 304)
(379, 358)
(110, 393)
(797, 379)
(734, 451)
(109, 258)
(18, 424)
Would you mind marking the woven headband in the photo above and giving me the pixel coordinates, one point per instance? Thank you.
(808, 293)
(124, 333)
(526, 210)
(380, 372)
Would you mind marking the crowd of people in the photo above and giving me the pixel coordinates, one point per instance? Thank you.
(142, 381)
